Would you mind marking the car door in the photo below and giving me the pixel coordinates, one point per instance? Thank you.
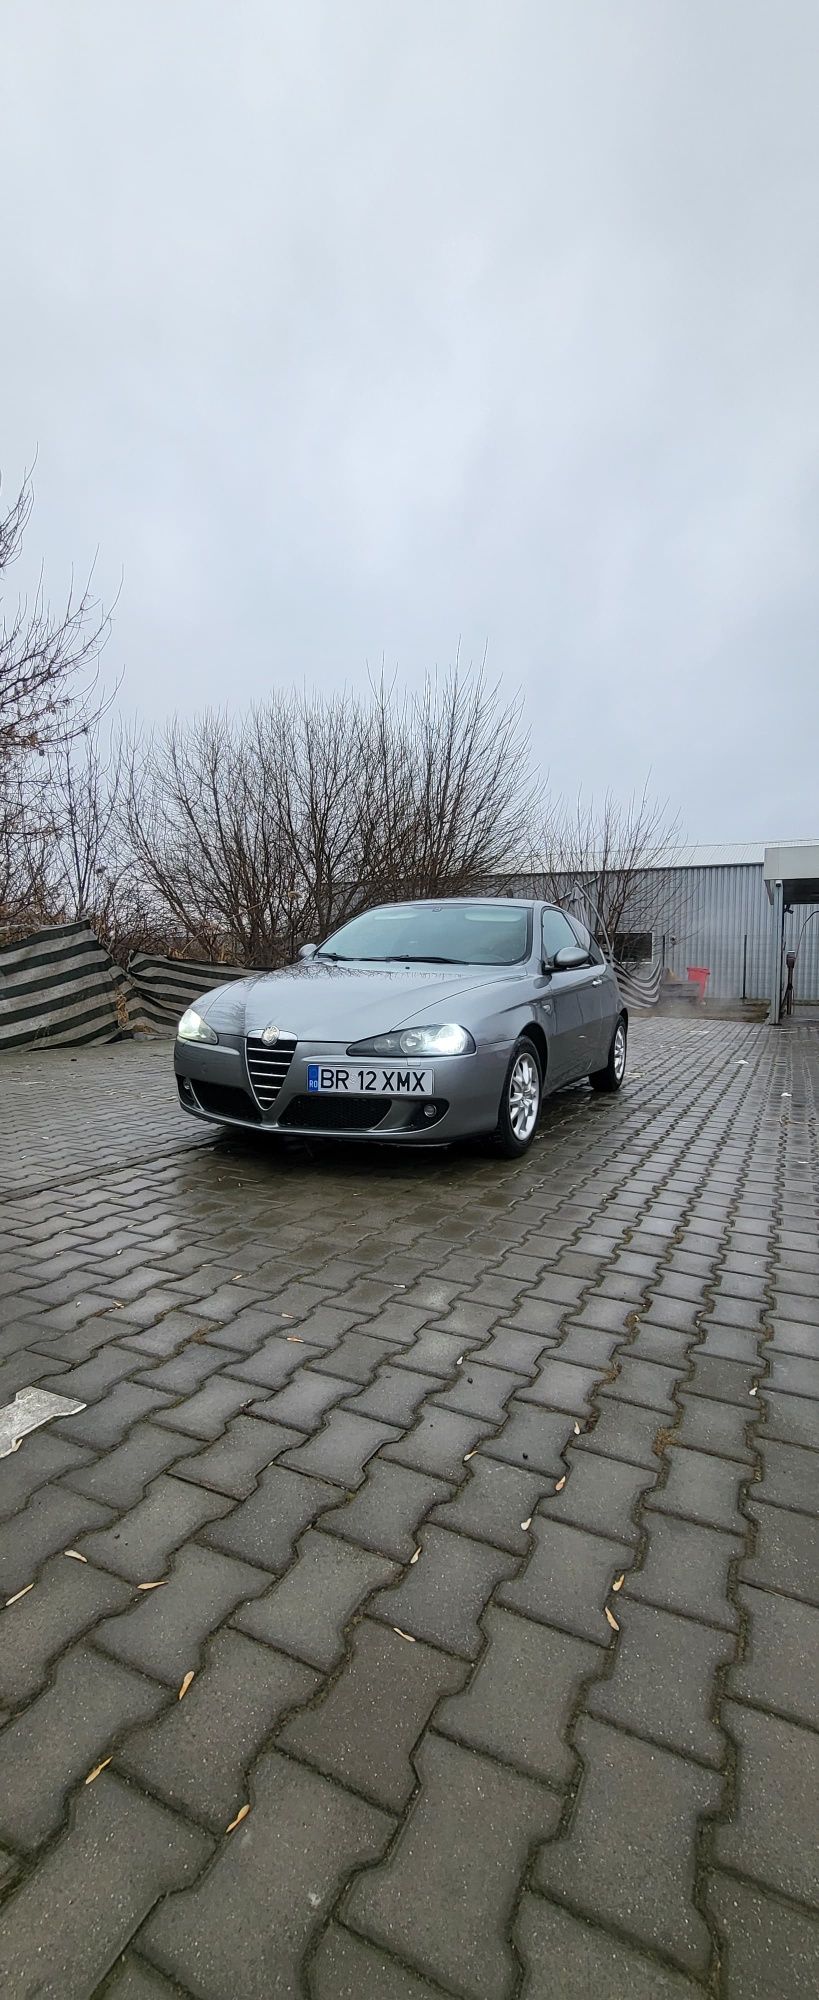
(599, 1001)
(569, 1005)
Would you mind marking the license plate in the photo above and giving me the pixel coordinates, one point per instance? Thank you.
(352, 1080)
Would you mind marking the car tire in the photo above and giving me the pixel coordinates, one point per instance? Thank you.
(611, 1077)
(521, 1100)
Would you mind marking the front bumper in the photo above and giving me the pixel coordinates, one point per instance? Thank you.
(214, 1084)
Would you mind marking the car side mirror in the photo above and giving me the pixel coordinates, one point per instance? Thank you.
(570, 958)
(308, 951)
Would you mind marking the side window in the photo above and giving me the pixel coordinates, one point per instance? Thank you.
(557, 932)
(585, 939)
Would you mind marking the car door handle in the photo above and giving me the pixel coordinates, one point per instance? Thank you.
(597, 982)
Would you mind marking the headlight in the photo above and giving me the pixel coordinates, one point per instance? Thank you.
(447, 1040)
(192, 1028)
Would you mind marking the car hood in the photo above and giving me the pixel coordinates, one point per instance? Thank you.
(343, 1003)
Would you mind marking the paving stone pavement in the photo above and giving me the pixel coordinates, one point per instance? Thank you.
(479, 1501)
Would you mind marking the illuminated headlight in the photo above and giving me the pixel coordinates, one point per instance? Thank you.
(447, 1040)
(192, 1028)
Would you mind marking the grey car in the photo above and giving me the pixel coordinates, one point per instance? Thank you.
(415, 1023)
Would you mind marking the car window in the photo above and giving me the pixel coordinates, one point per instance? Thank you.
(557, 932)
(585, 939)
(479, 933)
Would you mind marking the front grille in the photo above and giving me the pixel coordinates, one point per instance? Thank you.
(268, 1067)
(318, 1113)
(222, 1100)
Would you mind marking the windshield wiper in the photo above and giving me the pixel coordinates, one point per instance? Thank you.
(420, 958)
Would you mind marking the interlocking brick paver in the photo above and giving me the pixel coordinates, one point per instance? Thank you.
(532, 1438)
(341, 1450)
(67, 1922)
(600, 1493)
(641, 1882)
(790, 1477)
(265, 1528)
(792, 1419)
(778, 1667)
(686, 1569)
(439, 1443)
(722, 1428)
(66, 1600)
(43, 1457)
(649, 1383)
(139, 1544)
(623, 1430)
(567, 1580)
(306, 1611)
(207, 1412)
(785, 1554)
(165, 1632)
(662, 1682)
(273, 1363)
(233, 1462)
(395, 1395)
(54, 1743)
(386, 1511)
(364, 1731)
(773, 1832)
(50, 1521)
(770, 1949)
(595, 1317)
(134, 1980)
(108, 1422)
(120, 1478)
(519, 1700)
(441, 1597)
(701, 1488)
(345, 1967)
(443, 1900)
(245, 1927)
(563, 1955)
(493, 1503)
(198, 1755)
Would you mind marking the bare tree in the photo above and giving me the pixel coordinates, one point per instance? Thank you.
(620, 857)
(256, 834)
(49, 697)
(48, 659)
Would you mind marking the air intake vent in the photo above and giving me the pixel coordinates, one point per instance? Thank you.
(268, 1067)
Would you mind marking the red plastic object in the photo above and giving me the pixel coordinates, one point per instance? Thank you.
(699, 976)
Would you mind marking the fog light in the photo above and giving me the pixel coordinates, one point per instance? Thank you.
(429, 1111)
(185, 1086)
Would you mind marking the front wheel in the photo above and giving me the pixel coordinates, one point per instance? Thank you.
(520, 1102)
(612, 1076)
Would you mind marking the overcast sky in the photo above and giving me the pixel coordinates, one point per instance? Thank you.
(350, 330)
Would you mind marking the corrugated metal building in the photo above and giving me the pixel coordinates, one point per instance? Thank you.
(713, 910)
(708, 906)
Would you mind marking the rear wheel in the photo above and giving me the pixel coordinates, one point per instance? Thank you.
(612, 1076)
(520, 1101)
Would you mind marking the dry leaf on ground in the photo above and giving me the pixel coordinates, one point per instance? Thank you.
(18, 1594)
(75, 1555)
(468, 1455)
(185, 1685)
(414, 1559)
(404, 1635)
(527, 1524)
(295, 1339)
(612, 1620)
(96, 1771)
(619, 1581)
(151, 1586)
(241, 1814)
(560, 1484)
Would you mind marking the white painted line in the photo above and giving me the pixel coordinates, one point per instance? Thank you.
(30, 1409)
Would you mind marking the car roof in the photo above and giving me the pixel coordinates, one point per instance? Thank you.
(456, 902)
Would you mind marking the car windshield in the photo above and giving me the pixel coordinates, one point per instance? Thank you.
(435, 934)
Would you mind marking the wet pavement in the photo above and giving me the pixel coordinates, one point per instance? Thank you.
(479, 1501)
